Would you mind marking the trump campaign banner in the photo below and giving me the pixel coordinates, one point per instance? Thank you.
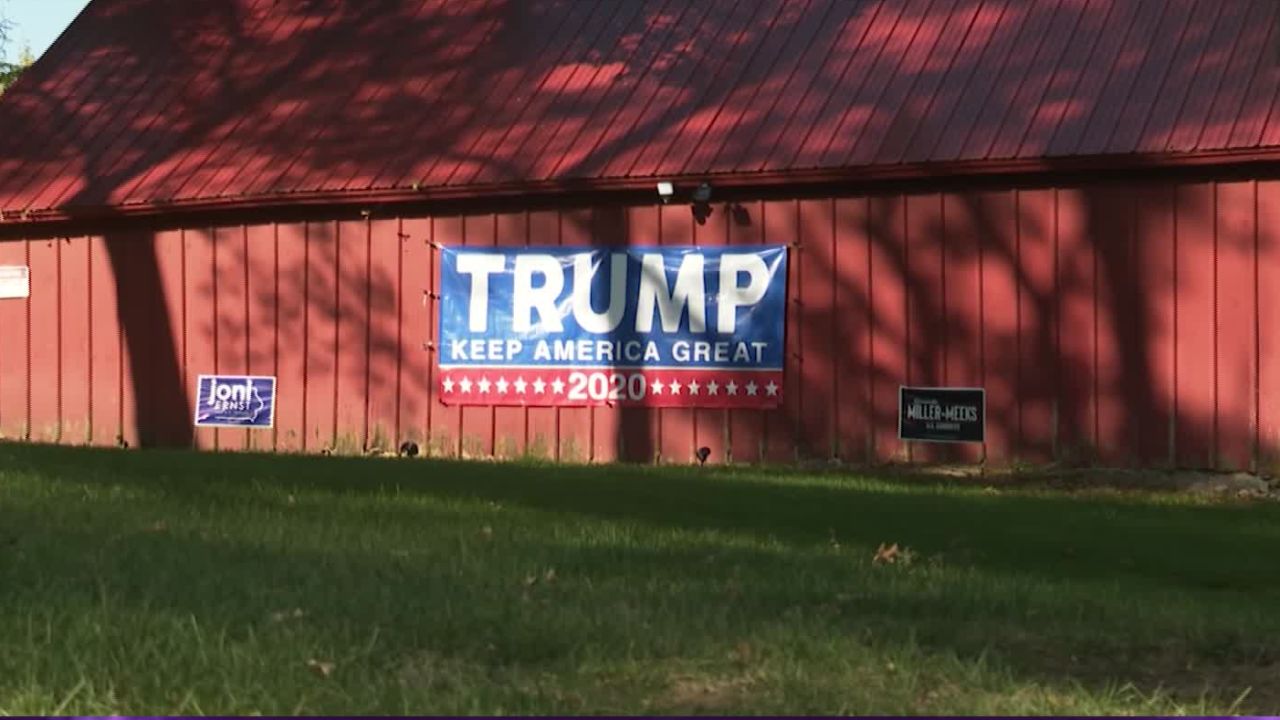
(649, 326)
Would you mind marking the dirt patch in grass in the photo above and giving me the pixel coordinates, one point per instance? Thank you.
(1246, 684)
(1241, 485)
(427, 670)
(1250, 681)
(705, 694)
(1256, 688)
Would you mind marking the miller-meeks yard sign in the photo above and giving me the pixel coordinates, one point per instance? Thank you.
(661, 327)
(940, 414)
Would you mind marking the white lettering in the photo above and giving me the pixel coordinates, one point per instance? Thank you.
(564, 350)
(583, 272)
(539, 280)
(759, 348)
(680, 351)
(653, 294)
(229, 396)
(542, 298)
(479, 266)
(733, 295)
(458, 349)
(226, 391)
(932, 410)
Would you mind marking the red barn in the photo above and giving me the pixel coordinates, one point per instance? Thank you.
(1072, 204)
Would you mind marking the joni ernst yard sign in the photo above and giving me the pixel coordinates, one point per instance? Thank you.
(942, 414)
(660, 327)
(247, 401)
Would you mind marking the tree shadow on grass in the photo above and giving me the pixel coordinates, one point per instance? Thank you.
(424, 578)
(1177, 546)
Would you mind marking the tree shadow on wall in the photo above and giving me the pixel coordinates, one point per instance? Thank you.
(237, 86)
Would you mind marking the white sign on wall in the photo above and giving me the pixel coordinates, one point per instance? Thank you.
(15, 281)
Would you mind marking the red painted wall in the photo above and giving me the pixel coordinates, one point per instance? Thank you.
(1114, 323)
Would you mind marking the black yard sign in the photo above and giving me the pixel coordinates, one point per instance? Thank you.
(941, 414)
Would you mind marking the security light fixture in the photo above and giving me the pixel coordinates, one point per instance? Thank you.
(702, 194)
(665, 191)
(702, 203)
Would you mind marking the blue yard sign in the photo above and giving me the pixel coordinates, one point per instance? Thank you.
(247, 401)
(656, 326)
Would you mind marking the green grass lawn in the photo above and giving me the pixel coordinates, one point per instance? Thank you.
(171, 582)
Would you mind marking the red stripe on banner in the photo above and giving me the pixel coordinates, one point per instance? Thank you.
(649, 387)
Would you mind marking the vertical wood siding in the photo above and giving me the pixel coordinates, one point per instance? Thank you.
(1110, 323)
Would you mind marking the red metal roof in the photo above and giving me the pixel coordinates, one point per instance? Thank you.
(145, 103)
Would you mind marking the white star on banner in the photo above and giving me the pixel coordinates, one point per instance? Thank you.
(693, 387)
(483, 384)
(656, 387)
(731, 388)
(502, 385)
(674, 385)
(465, 384)
(771, 389)
(557, 386)
(713, 388)
(520, 385)
(538, 386)
(751, 387)
(448, 385)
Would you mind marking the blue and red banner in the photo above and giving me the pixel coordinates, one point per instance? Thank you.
(652, 326)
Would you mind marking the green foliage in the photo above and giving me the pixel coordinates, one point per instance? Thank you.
(9, 72)
(166, 582)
